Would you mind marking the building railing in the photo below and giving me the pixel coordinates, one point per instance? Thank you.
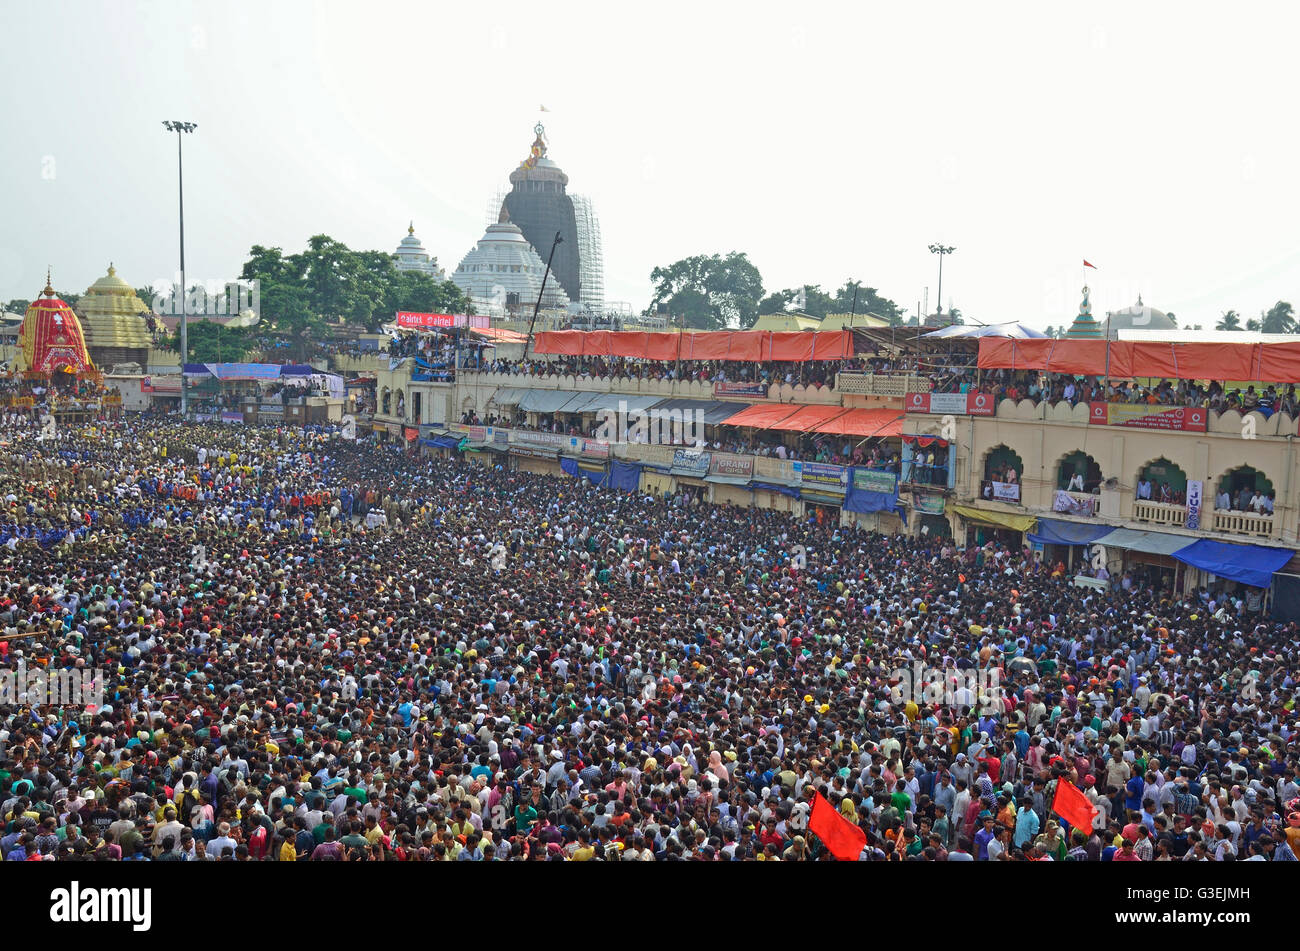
(1243, 523)
(881, 384)
(1160, 513)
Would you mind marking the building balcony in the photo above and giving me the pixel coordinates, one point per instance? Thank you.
(1242, 523)
(895, 385)
(1160, 513)
(666, 389)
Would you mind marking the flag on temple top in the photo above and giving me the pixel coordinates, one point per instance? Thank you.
(1073, 806)
(845, 840)
(1086, 264)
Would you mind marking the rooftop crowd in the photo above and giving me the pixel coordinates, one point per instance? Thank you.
(532, 669)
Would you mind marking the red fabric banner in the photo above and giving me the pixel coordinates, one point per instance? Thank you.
(1263, 362)
(845, 840)
(738, 345)
(1073, 806)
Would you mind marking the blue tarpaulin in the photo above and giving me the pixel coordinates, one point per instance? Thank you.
(863, 500)
(1052, 531)
(624, 476)
(770, 487)
(1249, 564)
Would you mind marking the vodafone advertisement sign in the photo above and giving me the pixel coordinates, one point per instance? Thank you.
(918, 402)
(1140, 416)
(952, 404)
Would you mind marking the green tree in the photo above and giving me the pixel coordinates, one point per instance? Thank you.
(869, 301)
(710, 291)
(18, 306)
(1280, 319)
(287, 309)
(210, 342)
(1253, 324)
(1230, 320)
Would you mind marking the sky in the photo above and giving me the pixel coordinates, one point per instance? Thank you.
(827, 141)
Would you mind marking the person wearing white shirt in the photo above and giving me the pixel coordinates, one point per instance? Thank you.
(1076, 483)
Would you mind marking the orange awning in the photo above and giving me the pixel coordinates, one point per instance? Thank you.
(808, 418)
(762, 415)
(865, 422)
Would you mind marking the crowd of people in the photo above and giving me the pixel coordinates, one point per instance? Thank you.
(522, 668)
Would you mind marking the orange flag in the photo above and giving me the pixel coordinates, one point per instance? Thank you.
(1073, 806)
(845, 840)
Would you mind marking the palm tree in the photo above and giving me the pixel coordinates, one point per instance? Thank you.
(1280, 319)
(1230, 320)
(1253, 324)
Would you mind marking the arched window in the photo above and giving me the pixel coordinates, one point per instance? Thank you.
(1078, 472)
(1003, 468)
(386, 402)
(1003, 464)
(1244, 489)
(1162, 481)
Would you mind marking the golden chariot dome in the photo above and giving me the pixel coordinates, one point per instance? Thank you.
(113, 318)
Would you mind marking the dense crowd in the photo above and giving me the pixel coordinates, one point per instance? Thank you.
(518, 667)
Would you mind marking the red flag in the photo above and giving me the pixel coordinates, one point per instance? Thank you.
(1086, 264)
(1073, 806)
(845, 840)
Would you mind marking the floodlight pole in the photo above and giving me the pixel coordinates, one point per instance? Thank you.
(178, 128)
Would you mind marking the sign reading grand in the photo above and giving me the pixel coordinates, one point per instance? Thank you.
(1141, 416)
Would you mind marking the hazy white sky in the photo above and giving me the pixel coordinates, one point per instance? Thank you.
(827, 141)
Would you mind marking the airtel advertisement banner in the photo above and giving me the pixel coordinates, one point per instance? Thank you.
(952, 404)
(414, 321)
(1140, 416)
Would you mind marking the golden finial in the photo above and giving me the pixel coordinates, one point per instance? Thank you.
(411, 229)
(111, 272)
(49, 289)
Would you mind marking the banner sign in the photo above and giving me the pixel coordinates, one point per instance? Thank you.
(732, 466)
(415, 321)
(228, 416)
(1141, 416)
(1194, 490)
(498, 436)
(1065, 502)
(824, 477)
(927, 503)
(952, 404)
(593, 449)
(477, 434)
(723, 390)
(873, 480)
(1006, 491)
(981, 404)
(691, 462)
(551, 442)
(947, 403)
